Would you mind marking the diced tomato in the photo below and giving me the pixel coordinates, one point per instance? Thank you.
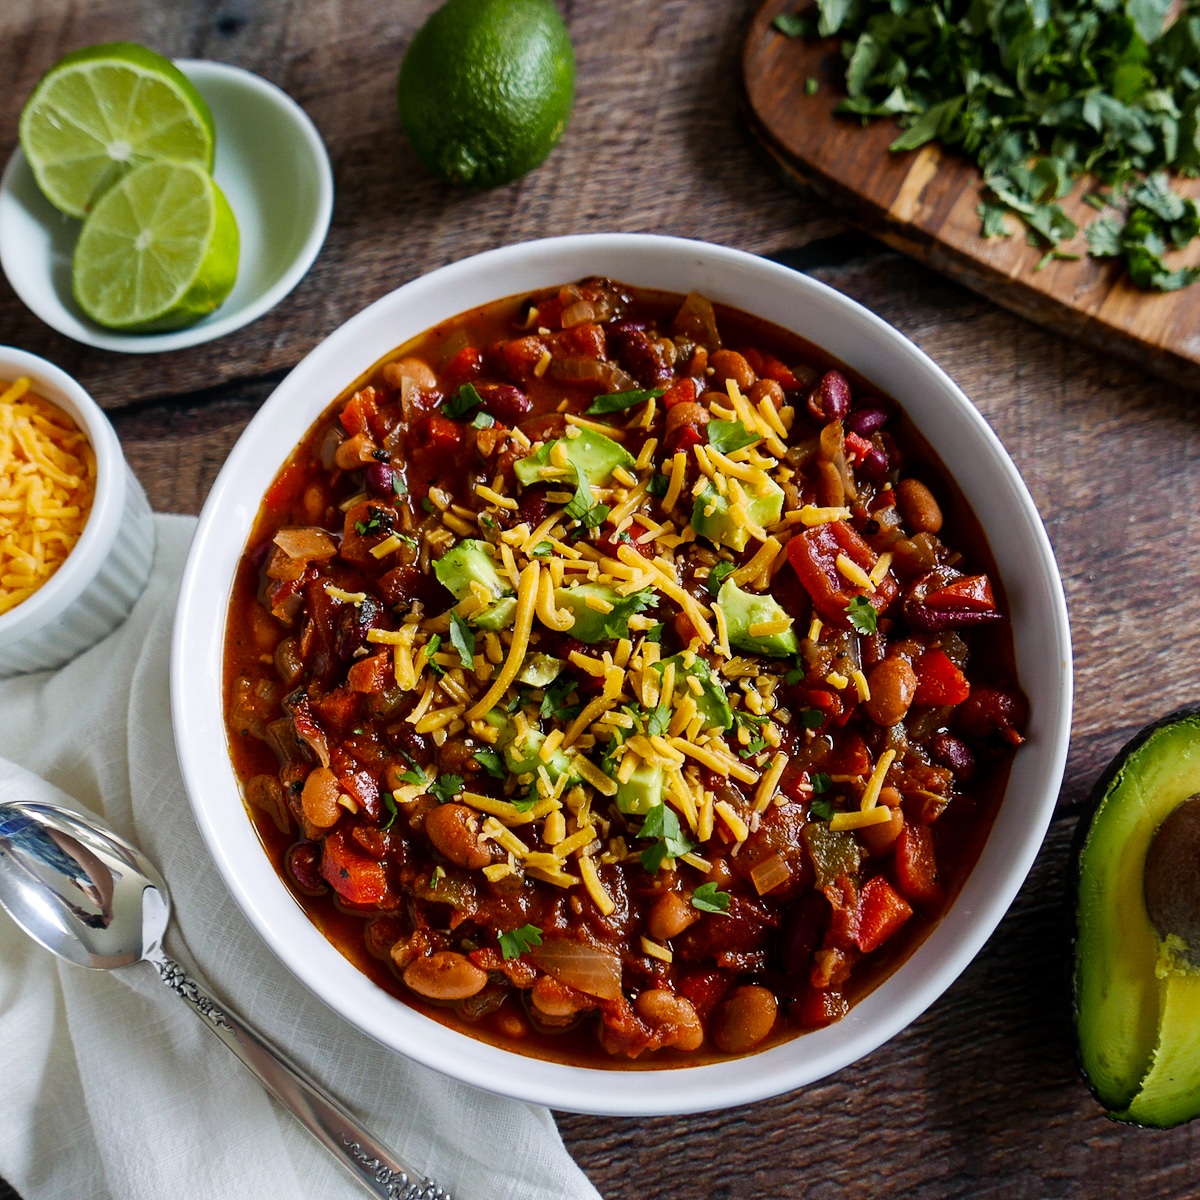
(372, 674)
(828, 703)
(813, 555)
(686, 437)
(881, 912)
(767, 366)
(706, 989)
(857, 447)
(990, 712)
(580, 341)
(939, 681)
(359, 880)
(843, 923)
(363, 788)
(682, 391)
(516, 359)
(338, 711)
(444, 434)
(849, 756)
(467, 364)
(819, 1007)
(971, 593)
(359, 412)
(915, 866)
(287, 486)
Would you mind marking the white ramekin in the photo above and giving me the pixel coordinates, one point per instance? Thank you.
(93, 591)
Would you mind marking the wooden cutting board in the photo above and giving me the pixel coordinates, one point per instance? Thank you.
(923, 202)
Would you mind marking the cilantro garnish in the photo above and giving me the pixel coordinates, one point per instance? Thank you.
(519, 941)
(542, 550)
(707, 899)
(792, 25)
(810, 718)
(427, 504)
(445, 787)
(728, 436)
(375, 523)
(821, 808)
(389, 803)
(663, 825)
(655, 632)
(462, 638)
(439, 873)
(554, 701)
(718, 575)
(658, 720)
(465, 400)
(616, 401)
(752, 723)
(658, 485)
(492, 763)
(795, 675)
(431, 648)
(820, 783)
(526, 802)
(399, 487)
(861, 614)
(811, 86)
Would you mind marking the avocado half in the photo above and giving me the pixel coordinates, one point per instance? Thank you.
(1137, 1004)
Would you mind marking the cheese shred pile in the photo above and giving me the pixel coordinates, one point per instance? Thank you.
(47, 485)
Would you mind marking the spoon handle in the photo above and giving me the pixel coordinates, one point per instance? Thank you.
(371, 1163)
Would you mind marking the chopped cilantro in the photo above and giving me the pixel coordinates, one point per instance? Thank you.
(375, 523)
(519, 941)
(526, 802)
(439, 873)
(415, 776)
(616, 401)
(821, 808)
(728, 436)
(821, 783)
(465, 400)
(445, 787)
(795, 675)
(482, 420)
(793, 26)
(707, 899)
(658, 485)
(861, 614)
(810, 718)
(554, 702)
(663, 825)
(658, 720)
(492, 763)
(431, 648)
(426, 504)
(811, 86)
(462, 638)
(542, 550)
(389, 803)
(655, 632)
(718, 575)
(399, 487)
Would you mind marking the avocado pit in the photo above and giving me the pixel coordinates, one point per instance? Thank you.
(1172, 878)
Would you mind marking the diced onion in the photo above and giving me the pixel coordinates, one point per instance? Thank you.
(769, 873)
(588, 968)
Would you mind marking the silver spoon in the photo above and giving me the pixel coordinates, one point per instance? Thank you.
(90, 897)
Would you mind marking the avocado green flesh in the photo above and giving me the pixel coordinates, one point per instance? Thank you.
(1136, 1041)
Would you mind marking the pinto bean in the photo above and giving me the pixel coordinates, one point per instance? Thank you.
(767, 389)
(921, 512)
(880, 838)
(556, 1002)
(319, 800)
(445, 975)
(744, 1019)
(355, 451)
(659, 1008)
(893, 684)
(687, 413)
(419, 371)
(729, 364)
(454, 831)
(670, 916)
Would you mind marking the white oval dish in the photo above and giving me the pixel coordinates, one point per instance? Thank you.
(960, 436)
(102, 577)
(272, 166)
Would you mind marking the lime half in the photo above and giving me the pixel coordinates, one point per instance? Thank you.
(159, 250)
(101, 111)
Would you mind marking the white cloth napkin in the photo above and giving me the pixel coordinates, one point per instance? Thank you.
(110, 1088)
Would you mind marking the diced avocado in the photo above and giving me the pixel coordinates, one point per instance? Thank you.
(471, 562)
(523, 757)
(594, 626)
(1137, 956)
(712, 704)
(744, 609)
(499, 616)
(540, 670)
(643, 790)
(591, 454)
(711, 517)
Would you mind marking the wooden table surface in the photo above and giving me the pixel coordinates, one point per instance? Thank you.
(980, 1097)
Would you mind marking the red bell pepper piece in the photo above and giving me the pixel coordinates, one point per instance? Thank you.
(706, 989)
(971, 593)
(820, 1007)
(682, 391)
(364, 790)
(359, 412)
(881, 912)
(359, 880)
(467, 364)
(338, 711)
(813, 555)
(915, 866)
(444, 434)
(939, 681)
(372, 674)
(767, 366)
(857, 447)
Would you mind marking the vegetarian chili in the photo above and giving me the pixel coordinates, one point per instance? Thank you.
(611, 693)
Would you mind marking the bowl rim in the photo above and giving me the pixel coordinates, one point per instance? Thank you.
(95, 544)
(197, 649)
(200, 72)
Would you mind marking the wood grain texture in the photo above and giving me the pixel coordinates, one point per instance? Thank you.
(980, 1097)
(923, 202)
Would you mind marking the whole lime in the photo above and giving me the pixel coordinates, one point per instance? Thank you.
(486, 89)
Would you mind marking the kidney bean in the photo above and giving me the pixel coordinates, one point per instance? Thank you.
(921, 512)
(506, 403)
(379, 477)
(319, 800)
(892, 684)
(454, 831)
(953, 753)
(803, 928)
(993, 711)
(866, 421)
(873, 465)
(640, 355)
(304, 866)
(670, 916)
(445, 975)
(830, 399)
(729, 364)
(354, 621)
(744, 1019)
(660, 1008)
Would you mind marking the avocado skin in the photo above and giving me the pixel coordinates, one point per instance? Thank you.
(1140, 1108)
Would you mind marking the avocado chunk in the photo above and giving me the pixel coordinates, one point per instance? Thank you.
(745, 609)
(643, 790)
(1136, 993)
(711, 517)
(712, 704)
(591, 456)
(592, 625)
(471, 562)
(522, 755)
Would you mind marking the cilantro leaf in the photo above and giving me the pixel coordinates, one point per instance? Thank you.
(810, 718)
(718, 575)
(728, 436)
(994, 218)
(812, 85)
(663, 825)
(655, 632)
(658, 485)
(526, 802)
(431, 648)
(445, 787)
(821, 808)
(492, 763)
(462, 638)
(707, 899)
(415, 776)
(389, 804)
(554, 701)
(821, 783)
(616, 401)
(795, 675)
(465, 400)
(794, 26)
(658, 720)
(861, 614)
(542, 550)
(519, 941)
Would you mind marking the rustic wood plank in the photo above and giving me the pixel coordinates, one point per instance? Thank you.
(924, 203)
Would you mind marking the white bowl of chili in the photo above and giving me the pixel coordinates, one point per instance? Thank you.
(85, 596)
(843, 330)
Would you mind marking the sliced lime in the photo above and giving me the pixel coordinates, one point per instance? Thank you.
(101, 111)
(159, 250)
